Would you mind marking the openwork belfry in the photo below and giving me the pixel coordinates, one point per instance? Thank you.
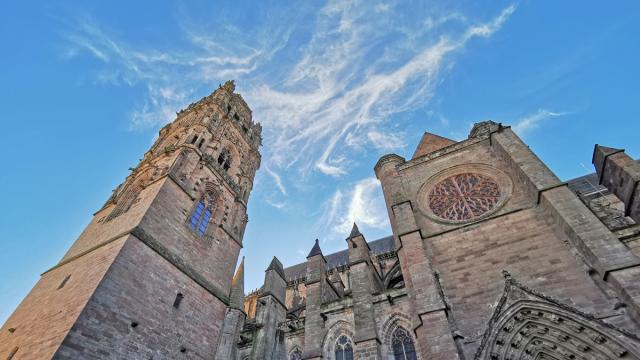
(155, 274)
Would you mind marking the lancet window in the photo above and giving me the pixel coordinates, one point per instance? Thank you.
(202, 215)
(403, 347)
(344, 348)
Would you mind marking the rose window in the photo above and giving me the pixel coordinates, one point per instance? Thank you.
(464, 196)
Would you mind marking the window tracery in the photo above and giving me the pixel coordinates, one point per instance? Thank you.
(201, 215)
(344, 348)
(464, 196)
(403, 347)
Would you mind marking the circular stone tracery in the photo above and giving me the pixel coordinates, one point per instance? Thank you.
(464, 196)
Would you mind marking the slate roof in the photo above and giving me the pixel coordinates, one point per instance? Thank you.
(339, 258)
(315, 250)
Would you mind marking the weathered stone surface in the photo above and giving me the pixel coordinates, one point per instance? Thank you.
(146, 280)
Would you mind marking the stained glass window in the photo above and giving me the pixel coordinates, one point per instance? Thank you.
(200, 217)
(402, 343)
(344, 348)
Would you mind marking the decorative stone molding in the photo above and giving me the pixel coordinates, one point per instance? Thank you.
(471, 185)
(528, 325)
(338, 329)
(389, 326)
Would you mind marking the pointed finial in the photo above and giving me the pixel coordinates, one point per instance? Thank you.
(239, 275)
(276, 265)
(354, 231)
(236, 297)
(230, 86)
(315, 250)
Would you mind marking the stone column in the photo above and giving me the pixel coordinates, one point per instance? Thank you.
(429, 316)
(620, 173)
(271, 312)
(234, 318)
(365, 282)
(314, 330)
(608, 257)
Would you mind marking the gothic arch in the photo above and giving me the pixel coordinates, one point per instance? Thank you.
(391, 324)
(232, 148)
(210, 196)
(338, 329)
(393, 278)
(529, 325)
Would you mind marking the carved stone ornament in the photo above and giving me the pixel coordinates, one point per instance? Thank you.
(527, 325)
(230, 86)
(464, 193)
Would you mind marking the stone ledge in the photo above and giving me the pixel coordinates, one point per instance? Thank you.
(176, 261)
(148, 240)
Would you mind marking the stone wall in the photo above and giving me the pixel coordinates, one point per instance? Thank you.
(470, 261)
(43, 319)
(212, 257)
(132, 313)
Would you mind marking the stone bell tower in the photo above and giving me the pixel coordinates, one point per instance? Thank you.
(150, 276)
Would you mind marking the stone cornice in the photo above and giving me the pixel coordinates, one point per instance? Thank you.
(441, 152)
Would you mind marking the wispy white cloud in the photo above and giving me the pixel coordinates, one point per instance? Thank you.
(277, 179)
(530, 122)
(319, 99)
(362, 203)
(277, 205)
(334, 92)
(173, 76)
(430, 23)
(386, 141)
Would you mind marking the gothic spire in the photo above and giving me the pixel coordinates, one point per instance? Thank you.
(315, 250)
(236, 297)
(276, 266)
(354, 231)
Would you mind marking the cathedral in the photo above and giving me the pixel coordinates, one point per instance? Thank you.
(491, 257)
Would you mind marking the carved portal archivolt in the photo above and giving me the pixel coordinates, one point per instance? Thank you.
(531, 326)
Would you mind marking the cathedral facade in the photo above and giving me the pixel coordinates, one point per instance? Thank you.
(492, 257)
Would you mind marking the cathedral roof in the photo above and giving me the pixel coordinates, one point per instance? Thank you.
(430, 143)
(587, 186)
(315, 250)
(339, 258)
(354, 231)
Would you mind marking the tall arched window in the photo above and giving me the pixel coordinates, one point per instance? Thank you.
(296, 354)
(201, 216)
(402, 343)
(224, 159)
(344, 348)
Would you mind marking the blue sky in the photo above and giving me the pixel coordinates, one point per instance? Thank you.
(86, 86)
